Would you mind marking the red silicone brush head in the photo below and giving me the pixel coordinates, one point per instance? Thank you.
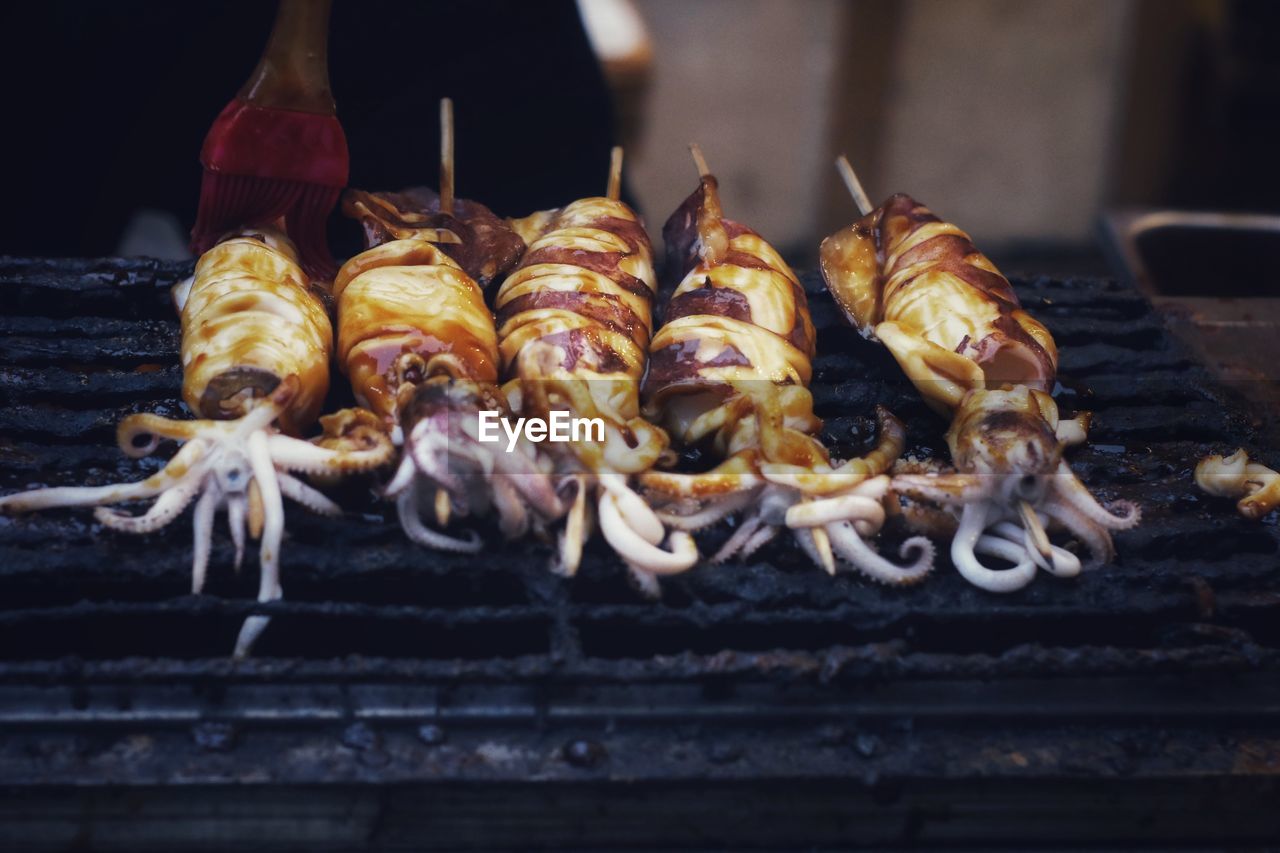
(261, 164)
(278, 150)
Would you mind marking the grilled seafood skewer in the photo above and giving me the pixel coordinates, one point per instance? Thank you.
(731, 366)
(418, 344)
(953, 323)
(574, 321)
(256, 340)
(1255, 486)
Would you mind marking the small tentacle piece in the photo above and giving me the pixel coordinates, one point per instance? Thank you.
(1255, 486)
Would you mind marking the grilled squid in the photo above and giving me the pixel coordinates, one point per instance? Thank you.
(574, 321)
(1254, 486)
(731, 367)
(256, 340)
(955, 326)
(418, 344)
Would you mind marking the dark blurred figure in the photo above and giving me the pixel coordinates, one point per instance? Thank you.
(1231, 118)
(1202, 110)
(108, 104)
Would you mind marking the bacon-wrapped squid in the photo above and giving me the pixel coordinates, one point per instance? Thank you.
(955, 326)
(731, 366)
(574, 321)
(1255, 487)
(256, 341)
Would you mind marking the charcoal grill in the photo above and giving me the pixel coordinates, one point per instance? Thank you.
(404, 699)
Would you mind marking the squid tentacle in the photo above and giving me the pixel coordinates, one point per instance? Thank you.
(1254, 486)
(573, 535)
(1072, 491)
(866, 513)
(269, 588)
(1014, 552)
(402, 479)
(891, 441)
(301, 493)
(513, 517)
(166, 508)
(429, 450)
(1095, 537)
(527, 479)
(817, 546)
(640, 516)
(1061, 562)
(758, 540)
(178, 468)
(411, 522)
(154, 428)
(237, 511)
(293, 454)
(851, 546)
(633, 537)
(734, 476)
(747, 530)
(973, 521)
(437, 454)
(202, 536)
(645, 582)
(948, 489)
(931, 521)
(713, 512)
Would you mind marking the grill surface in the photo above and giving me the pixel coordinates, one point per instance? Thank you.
(387, 663)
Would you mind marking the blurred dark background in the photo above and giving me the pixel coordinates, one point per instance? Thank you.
(1023, 122)
(108, 104)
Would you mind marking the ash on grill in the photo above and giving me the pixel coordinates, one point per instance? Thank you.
(1162, 666)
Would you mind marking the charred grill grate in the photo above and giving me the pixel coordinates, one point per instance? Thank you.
(99, 636)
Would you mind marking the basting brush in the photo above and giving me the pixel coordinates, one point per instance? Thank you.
(277, 150)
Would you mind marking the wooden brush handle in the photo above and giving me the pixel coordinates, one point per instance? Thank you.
(293, 73)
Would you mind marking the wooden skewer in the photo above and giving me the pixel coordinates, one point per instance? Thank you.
(855, 186)
(446, 155)
(615, 174)
(701, 162)
(711, 230)
(710, 189)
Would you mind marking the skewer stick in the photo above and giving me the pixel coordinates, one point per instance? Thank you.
(446, 155)
(615, 174)
(711, 230)
(701, 162)
(855, 186)
(710, 188)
